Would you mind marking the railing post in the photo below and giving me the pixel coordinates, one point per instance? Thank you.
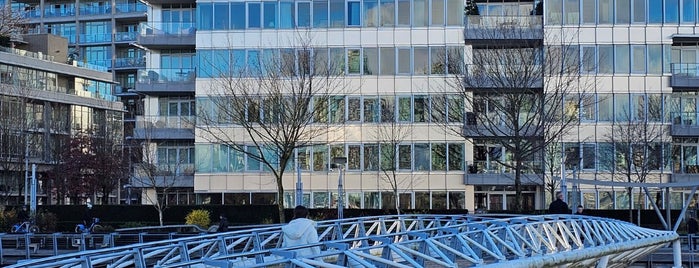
(677, 254)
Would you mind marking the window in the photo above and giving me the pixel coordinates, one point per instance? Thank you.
(270, 15)
(655, 11)
(337, 13)
(353, 61)
(237, 15)
(404, 13)
(638, 11)
(254, 15)
(320, 109)
(621, 108)
(623, 9)
(371, 110)
(420, 108)
(655, 59)
(588, 156)
(437, 13)
(354, 111)
(621, 59)
(371, 157)
(422, 156)
(404, 65)
(420, 60)
(354, 159)
(404, 109)
(320, 13)
(388, 109)
(287, 18)
(320, 157)
(438, 58)
(387, 12)
(221, 16)
(605, 104)
(303, 15)
(454, 12)
(639, 59)
(554, 11)
(252, 156)
(371, 61)
(371, 14)
(420, 15)
(439, 156)
(688, 10)
(605, 11)
(455, 108)
(353, 13)
(672, 10)
(337, 109)
(388, 61)
(456, 156)
(571, 11)
(588, 11)
(605, 56)
(388, 156)
(404, 157)
(205, 16)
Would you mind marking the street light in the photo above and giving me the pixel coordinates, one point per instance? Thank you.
(339, 163)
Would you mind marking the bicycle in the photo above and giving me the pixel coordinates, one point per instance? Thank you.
(94, 227)
(24, 227)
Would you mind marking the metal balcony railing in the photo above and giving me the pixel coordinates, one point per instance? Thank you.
(162, 76)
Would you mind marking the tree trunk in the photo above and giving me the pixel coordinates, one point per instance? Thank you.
(280, 199)
(630, 192)
(518, 186)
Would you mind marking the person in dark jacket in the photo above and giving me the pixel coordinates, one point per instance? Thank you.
(222, 224)
(559, 206)
(692, 228)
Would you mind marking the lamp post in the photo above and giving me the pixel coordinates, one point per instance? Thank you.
(339, 163)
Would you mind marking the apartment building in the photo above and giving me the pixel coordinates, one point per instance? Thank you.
(43, 103)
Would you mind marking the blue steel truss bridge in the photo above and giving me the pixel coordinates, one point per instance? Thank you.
(401, 241)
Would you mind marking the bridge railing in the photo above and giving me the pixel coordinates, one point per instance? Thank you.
(410, 240)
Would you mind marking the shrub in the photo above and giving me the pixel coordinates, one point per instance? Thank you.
(199, 217)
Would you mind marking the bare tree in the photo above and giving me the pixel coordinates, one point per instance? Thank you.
(391, 136)
(515, 90)
(276, 105)
(154, 173)
(637, 137)
(552, 169)
(12, 22)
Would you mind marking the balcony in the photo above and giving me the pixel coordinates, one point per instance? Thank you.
(167, 35)
(130, 63)
(165, 175)
(157, 81)
(165, 2)
(127, 37)
(685, 125)
(511, 78)
(504, 31)
(164, 127)
(95, 38)
(685, 75)
(495, 173)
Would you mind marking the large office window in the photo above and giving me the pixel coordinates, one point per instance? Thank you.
(688, 11)
(206, 13)
(456, 156)
(605, 11)
(287, 15)
(254, 15)
(655, 59)
(337, 13)
(420, 15)
(371, 61)
(270, 15)
(388, 60)
(605, 56)
(437, 17)
(639, 59)
(404, 13)
(354, 17)
(621, 59)
(370, 13)
(638, 11)
(571, 11)
(421, 154)
(371, 157)
(605, 104)
(303, 15)
(623, 11)
(420, 60)
(320, 14)
(387, 13)
(237, 15)
(221, 16)
(655, 11)
(588, 11)
(554, 12)
(404, 66)
(672, 10)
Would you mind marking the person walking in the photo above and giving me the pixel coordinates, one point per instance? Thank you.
(692, 228)
(222, 224)
(580, 210)
(301, 231)
(559, 206)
